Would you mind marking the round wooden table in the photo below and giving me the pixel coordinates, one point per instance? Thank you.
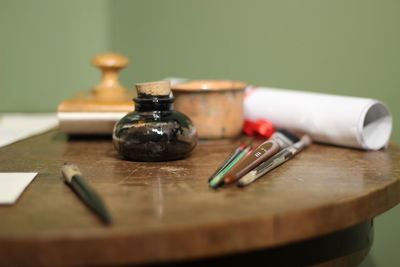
(325, 198)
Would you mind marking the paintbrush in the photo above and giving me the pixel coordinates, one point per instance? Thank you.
(228, 160)
(219, 178)
(279, 140)
(74, 178)
(277, 160)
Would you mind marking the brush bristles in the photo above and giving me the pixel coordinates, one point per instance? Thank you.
(69, 170)
(294, 138)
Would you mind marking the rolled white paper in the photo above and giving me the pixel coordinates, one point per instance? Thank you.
(339, 120)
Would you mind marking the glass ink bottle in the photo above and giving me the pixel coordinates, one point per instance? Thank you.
(154, 131)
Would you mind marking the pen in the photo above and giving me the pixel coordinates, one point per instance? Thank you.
(278, 159)
(229, 160)
(74, 178)
(218, 179)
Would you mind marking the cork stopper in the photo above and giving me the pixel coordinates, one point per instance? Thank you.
(154, 88)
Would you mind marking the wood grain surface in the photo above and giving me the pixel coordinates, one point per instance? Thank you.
(165, 211)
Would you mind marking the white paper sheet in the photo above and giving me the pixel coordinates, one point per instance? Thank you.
(340, 120)
(18, 126)
(89, 122)
(12, 184)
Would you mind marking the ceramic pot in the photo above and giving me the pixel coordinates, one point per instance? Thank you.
(215, 106)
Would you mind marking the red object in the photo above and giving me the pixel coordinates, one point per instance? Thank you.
(259, 128)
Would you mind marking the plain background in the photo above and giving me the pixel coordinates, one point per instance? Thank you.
(338, 47)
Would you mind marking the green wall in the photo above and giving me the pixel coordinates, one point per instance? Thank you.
(45, 51)
(340, 47)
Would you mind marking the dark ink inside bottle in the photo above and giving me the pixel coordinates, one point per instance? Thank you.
(154, 131)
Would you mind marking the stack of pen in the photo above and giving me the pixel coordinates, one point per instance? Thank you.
(245, 165)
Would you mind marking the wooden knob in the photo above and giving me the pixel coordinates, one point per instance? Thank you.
(109, 88)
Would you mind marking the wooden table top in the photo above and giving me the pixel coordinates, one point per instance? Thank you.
(166, 211)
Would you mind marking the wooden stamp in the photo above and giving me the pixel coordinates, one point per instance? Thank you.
(96, 111)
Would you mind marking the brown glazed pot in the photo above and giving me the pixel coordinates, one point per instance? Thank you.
(215, 107)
